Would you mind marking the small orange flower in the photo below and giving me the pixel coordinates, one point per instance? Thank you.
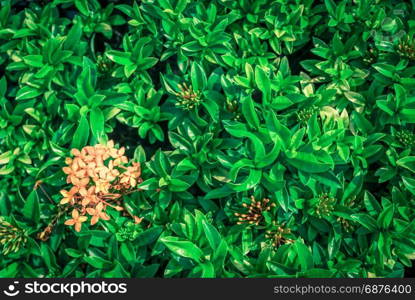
(80, 182)
(97, 213)
(131, 175)
(76, 220)
(70, 172)
(111, 172)
(88, 195)
(76, 152)
(90, 150)
(110, 144)
(102, 186)
(68, 196)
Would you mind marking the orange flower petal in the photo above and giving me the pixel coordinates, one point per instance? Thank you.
(67, 170)
(99, 206)
(90, 211)
(82, 219)
(85, 201)
(124, 179)
(70, 222)
(104, 216)
(84, 181)
(75, 214)
(73, 190)
(78, 227)
(76, 152)
(81, 164)
(83, 191)
(64, 201)
(75, 180)
(94, 220)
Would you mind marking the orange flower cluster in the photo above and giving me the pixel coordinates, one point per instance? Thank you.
(100, 176)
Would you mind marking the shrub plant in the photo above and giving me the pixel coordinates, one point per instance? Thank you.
(207, 138)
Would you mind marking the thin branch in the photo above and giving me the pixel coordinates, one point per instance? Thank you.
(38, 184)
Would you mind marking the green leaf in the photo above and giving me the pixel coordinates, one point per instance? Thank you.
(408, 115)
(10, 271)
(147, 63)
(198, 77)
(386, 216)
(212, 108)
(355, 98)
(122, 58)
(86, 83)
(34, 60)
(304, 255)
(71, 266)
(183, 248)
(212, 234)
(148, 236)
(219, 193)
(5, 157)
(409, 184)
(97, 123)
(81, 136)
(31, 208)
(6, 169)
(354, 187)
(48, 257)
(248, 110)
(327, 178)
(407, 162)
(27, 92)
(82, 6)
(281, 102)
(148, 271)
(331, 7)
(385, 69)
(178, 185)
(74, 36)
(262, 81)
(117, 272)
(249, 182)
(98, 262)
(317, 273)
(127, 252)
(3, 86)
(208, 271)
(151, 183)
(219, 255)
(308, 162)
(73, 252)
(371, 204)
(366, 221)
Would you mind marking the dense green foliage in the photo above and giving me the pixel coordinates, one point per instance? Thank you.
(307, 103)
